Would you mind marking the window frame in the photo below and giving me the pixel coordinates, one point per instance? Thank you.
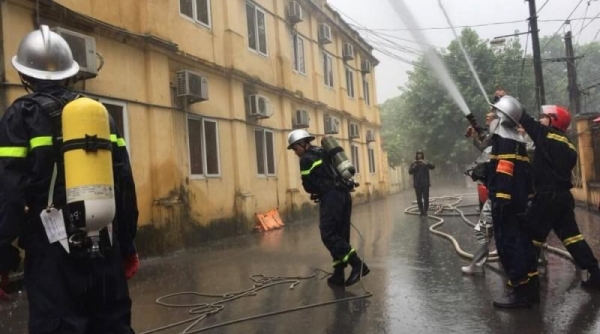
(265, 150)
(328, 58)
(350, 82)
(371, 154)
(195, 13)
(295, 37)
(203, 120)
(257, 30)
(366, 91)
(355, 157)
(123, 105)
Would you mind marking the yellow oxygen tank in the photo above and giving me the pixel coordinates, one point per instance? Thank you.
(88, 165)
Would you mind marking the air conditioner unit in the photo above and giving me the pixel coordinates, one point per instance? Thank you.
(348, 51)
(295, 12)
(192, 86)
(353, 130)
(332, 125)
(365, 66)
(301, 119)
(83, 48)
(324, 34)
(258, 106)
(370, 136)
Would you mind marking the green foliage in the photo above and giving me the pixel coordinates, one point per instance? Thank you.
(425, 117)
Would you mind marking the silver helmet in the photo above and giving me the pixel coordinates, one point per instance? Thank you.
(45, 55)
(298, 135)
(510, 110)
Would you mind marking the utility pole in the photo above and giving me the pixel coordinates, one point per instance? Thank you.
(540, 94)
(574, 92)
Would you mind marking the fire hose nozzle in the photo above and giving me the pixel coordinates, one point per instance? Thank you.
(474, 125)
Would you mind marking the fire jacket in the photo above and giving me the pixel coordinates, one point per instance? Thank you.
(317, 173)
(509, 169)
(554, 156)
(30, 141)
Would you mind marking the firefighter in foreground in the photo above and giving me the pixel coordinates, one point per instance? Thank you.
(510, 187)
(327, 176)
(553, 205)
(76, 269)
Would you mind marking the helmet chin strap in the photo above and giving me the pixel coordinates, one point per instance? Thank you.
(28, 88)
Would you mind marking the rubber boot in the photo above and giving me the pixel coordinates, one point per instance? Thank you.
(359, 270)
(519, 297)
(338, 277)
(534, 289)
(479, 258)
(593, 281)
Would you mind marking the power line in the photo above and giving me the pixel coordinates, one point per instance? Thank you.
(565, 21)
(523, 61)
(544, 5)
(583, 22)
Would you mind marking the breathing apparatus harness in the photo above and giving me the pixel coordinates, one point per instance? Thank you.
(80, 245)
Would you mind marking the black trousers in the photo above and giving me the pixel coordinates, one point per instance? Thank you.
(335, 213)
(517, 253)
(553, 211)
(422, 193)
(76, 296)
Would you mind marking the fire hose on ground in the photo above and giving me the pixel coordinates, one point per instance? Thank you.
(452, 208)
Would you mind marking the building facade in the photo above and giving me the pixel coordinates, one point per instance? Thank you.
(205, 93)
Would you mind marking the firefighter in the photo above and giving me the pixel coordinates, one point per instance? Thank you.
(553, 205)
(68, 292)
(326, 186)
(419, 169)
(510, 187)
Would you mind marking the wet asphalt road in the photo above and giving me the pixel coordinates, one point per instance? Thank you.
(415, 280)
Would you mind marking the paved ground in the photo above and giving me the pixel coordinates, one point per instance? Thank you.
(416, 282)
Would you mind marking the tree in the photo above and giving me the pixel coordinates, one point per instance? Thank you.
(425, 117)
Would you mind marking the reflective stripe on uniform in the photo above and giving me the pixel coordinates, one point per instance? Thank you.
(572, 240)
(315, 164)
(347, 257)
(119, 141)
(560, 138)
(40, 141)
(503, 195)
(13, 152)
(510, 156)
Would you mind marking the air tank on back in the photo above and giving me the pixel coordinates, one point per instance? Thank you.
(339, 158)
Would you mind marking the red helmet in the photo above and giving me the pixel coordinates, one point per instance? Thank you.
(560, 117)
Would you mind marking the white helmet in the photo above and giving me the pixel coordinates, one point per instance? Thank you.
(298, 135)
(510, 110)
(45, 55)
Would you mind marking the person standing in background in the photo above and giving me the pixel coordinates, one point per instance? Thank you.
(419, 169)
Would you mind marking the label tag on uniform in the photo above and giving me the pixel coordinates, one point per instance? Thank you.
(54, 225)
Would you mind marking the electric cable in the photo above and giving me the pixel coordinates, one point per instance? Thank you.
(565, 21)
(544, 5)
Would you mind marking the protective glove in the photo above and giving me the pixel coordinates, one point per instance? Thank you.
(131, 265)
(3, 284)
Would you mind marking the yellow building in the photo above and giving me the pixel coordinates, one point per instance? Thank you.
(205, 93)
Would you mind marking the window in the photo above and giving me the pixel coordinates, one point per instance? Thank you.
(350, 82)
(265, 155)
(298, 54)
(257, 28)
(197, 10)
(203, 143)
(328, 69)
(366, 92)
(354, 158)
(118, 111)
(371, 160)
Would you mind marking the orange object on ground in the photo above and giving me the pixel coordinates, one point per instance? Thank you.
(268, 221)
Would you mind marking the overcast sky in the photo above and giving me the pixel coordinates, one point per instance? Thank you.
(379, 17)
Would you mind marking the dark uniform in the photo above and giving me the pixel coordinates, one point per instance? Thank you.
(419, 169)
(320, 180)
(553, 204)
(509, 188)
(67, 293)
